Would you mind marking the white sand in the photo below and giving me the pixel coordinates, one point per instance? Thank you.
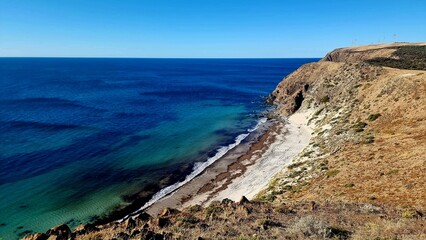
(279, 154)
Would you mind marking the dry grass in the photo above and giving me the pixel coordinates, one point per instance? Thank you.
(375, 140)
(263, 220)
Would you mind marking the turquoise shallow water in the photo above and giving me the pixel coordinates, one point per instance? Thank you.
(80, 137)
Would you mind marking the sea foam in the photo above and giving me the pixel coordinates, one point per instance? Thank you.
(197, 169)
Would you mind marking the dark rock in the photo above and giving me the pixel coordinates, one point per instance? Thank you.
(135, 233)
(144, 217)
(150, 235)
(203, 226)
(62, 232)
(146, 234)
(337, 233)
(162, 222)
(145, 226)
(419, 214)
(243, 200)
(313, 206)
(159, 236)
(227, 202)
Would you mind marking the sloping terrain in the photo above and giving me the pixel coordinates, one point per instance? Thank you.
(370, 132)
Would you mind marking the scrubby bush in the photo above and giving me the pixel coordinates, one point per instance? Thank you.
(407, 57)
(359, 126)
(213, 211)
(308, 227)
(325, 99)
(332, 173)
(373, 117)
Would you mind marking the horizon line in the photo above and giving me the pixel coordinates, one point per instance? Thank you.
(162, 57)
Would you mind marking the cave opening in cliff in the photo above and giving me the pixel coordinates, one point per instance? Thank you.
(306, 87)
(298, 100)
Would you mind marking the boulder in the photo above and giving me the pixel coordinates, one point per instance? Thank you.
(243, 200)
(227, 202)
(150, 235)
(162, 222)
(62, 232)
(143, 217)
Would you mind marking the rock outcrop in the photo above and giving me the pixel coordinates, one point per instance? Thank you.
(369, 127)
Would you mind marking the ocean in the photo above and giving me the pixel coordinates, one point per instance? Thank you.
(82, 138)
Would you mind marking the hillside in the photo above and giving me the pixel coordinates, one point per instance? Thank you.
(370, 131)
(361, 177)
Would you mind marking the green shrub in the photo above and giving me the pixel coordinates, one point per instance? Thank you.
(369, 139)
(359, 126)
(295, 165)
(373, 117)
(188, 220)
(392, 172)
(409, 213)
(318, 112)
(325, 99)
(332, 173)
(306, 154)
(195, 208)
(213, 211)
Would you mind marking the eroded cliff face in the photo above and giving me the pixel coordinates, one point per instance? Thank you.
(369, 124)
(321, 82)
(341, 70)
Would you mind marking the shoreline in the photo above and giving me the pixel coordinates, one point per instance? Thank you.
(142, 200)
(242, 170)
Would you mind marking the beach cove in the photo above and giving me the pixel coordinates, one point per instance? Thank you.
(245, 170)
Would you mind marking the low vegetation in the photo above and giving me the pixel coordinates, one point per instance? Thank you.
(405, 57)
(266, 220)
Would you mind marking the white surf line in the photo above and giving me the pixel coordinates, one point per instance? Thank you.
(198, 168)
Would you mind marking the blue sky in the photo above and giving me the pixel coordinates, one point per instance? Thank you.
(203, 28)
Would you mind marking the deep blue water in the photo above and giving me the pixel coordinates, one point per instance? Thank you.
(79, 135)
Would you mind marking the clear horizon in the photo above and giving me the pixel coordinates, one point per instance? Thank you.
(202, 29)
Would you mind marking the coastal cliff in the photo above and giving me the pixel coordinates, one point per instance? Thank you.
(369, 120)
(360, 177)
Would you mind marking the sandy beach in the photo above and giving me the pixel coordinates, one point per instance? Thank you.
(246, 169)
